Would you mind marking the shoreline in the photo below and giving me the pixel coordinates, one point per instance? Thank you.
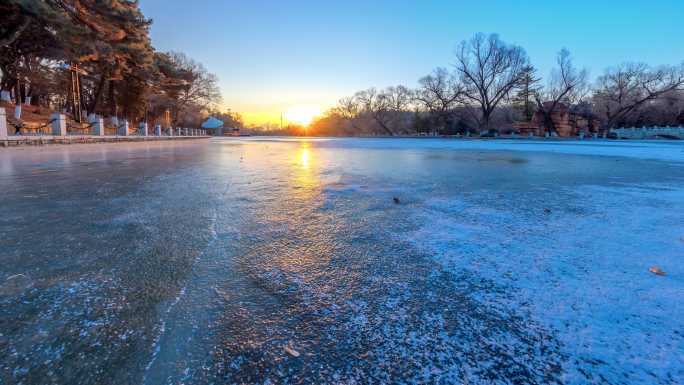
(465, 139)
(39, 140)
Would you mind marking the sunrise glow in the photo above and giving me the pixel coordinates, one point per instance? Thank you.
(301, 115)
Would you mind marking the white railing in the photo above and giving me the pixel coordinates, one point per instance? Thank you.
(649, 132)
(57, 126)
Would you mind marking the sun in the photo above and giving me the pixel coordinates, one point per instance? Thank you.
(301, 115)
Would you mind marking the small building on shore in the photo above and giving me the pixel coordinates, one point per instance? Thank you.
(216, 127)
(566, 123)
(213, 126)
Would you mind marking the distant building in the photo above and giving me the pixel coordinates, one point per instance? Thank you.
(566, 123)
(216, 128)
(213, 126)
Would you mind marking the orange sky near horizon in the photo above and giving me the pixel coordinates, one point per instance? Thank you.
(294, 114)
(274, 56)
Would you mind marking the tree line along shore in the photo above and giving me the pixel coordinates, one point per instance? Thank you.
(493, 88)
(90, 58)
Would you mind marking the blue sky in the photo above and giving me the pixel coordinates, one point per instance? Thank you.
(273, 56)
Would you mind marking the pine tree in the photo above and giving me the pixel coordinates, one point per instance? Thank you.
(109, 40)
(524, 98)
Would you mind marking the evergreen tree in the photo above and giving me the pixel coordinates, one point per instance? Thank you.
(109, 40)
(524, 99)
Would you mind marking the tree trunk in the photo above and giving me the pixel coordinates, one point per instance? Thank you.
(97, 95)
(23, 94)
(485, 120)
(384, 127)
(548, 121)
(17, 93)
(6, 79)
(111, 98)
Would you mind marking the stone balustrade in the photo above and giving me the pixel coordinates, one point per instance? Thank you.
(122, 130)
(59, 127)
(97, 126)
(649, 132)
(3, 123)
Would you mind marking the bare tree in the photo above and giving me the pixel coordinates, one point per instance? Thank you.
(439, 93)
(566, 85)
(627, 87)
(349, 108)
(385, 107)
(490, 69)
(667, 110)
(369, 104)
(197, 85)
(397, 101)
(185, 87)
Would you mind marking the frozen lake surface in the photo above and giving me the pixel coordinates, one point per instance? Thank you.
(271, 260)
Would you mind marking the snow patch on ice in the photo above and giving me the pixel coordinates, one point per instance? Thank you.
(582, 270)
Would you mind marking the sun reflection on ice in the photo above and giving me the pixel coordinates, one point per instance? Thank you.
(304, 171)
(304, 156)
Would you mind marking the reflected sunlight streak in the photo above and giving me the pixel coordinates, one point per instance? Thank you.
(304, 155)
(305, 176)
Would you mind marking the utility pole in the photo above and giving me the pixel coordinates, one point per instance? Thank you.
(76, 71)
(167, 117)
